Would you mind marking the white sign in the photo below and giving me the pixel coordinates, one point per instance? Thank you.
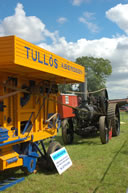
(66, 99)
(61, 160)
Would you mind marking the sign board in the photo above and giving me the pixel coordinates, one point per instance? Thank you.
(23, 58)
(61, 160)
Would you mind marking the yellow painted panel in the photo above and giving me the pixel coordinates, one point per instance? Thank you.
(45, 134)
(6, 50)
(40, 60)
(23, 58)
(8, 155)
(18, 163)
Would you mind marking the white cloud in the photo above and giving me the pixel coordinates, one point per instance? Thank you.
(79, 2)
(97, 48)
(119, 15)
(87, 20)
(89, 15)
(91, 26)
(118, 88)
(62, 20)
(29, 28)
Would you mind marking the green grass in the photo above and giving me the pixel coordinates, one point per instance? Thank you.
(96, 168)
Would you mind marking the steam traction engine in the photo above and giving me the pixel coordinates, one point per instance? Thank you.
(94, 113)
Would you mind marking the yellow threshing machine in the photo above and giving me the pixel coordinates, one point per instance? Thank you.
(29, 77)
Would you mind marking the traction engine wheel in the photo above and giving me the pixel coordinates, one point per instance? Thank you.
(54, 146)
(67, 131)
(104, 130)
(114, 118)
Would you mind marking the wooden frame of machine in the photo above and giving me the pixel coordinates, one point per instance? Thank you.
(28, 93)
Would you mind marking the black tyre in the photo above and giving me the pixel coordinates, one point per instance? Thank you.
(104, 101)
(67, 131)
(54, 146)
(104, 130)
(114, 118)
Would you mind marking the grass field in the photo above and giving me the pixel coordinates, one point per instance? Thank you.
(96, 168)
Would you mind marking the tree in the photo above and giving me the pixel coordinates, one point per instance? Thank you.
(63, 88)
(97, 71)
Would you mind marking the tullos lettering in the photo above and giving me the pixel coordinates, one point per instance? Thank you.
(41, 58)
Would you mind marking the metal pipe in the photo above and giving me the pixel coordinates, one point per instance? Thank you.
(83, 88)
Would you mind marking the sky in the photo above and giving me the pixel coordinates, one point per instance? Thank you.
(74, 28)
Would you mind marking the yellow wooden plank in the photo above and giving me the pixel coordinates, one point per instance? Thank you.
(7, 50)
(23, 58)
(34, 57)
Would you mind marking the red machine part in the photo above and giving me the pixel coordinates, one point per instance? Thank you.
(64, 111)
(110, 133)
